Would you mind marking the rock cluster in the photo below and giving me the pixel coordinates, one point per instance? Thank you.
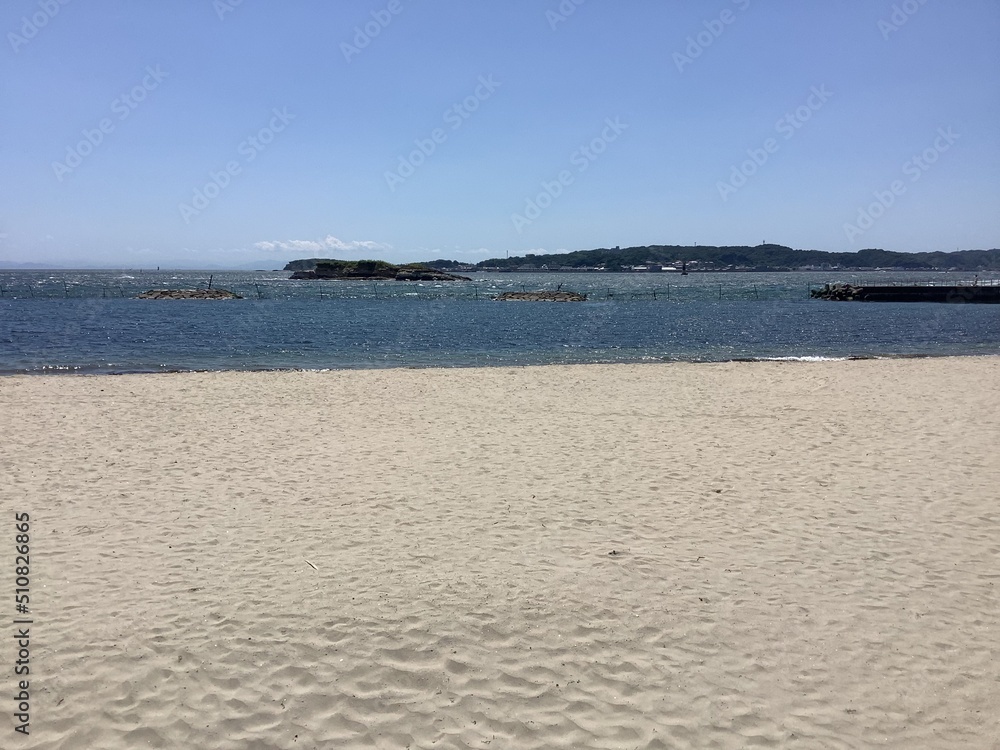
(188, 294)
(837, 292)
(557, 296)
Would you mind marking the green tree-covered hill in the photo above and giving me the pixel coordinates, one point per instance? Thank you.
(760, 258)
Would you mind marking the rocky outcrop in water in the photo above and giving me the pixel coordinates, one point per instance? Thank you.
(372, 270)
(557, 296)
(188, 294)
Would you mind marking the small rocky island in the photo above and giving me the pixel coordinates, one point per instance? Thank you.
(366, 270)
(542, 296)
(188, 294)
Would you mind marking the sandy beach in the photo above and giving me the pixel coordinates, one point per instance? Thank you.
(780, 554)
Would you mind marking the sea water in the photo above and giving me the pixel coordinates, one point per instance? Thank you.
(89, 321)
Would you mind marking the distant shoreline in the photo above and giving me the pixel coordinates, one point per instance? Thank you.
(589, 271)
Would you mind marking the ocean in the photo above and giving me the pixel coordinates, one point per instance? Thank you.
(89, 322)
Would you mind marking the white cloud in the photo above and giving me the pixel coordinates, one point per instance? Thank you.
(328, 243)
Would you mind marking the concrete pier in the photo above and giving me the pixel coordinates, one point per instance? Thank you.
(970, 293)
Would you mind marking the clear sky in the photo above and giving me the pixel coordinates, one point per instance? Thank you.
(202, 133)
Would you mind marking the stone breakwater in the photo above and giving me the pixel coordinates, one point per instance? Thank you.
(838, 292)
(972, 293)
(188, 294)
(557, 296)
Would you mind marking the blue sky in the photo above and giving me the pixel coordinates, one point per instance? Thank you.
(204, 133)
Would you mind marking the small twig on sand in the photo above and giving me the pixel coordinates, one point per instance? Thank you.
(311, 565)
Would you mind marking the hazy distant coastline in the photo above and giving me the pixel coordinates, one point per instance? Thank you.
(644, 258)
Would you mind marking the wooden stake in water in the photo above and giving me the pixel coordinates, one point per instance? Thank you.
(212, 276)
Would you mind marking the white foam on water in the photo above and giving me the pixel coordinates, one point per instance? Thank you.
(803, 359)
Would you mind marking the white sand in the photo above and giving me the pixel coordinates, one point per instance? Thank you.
(807, 555)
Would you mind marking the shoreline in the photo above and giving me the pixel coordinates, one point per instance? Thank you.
(77, 371)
